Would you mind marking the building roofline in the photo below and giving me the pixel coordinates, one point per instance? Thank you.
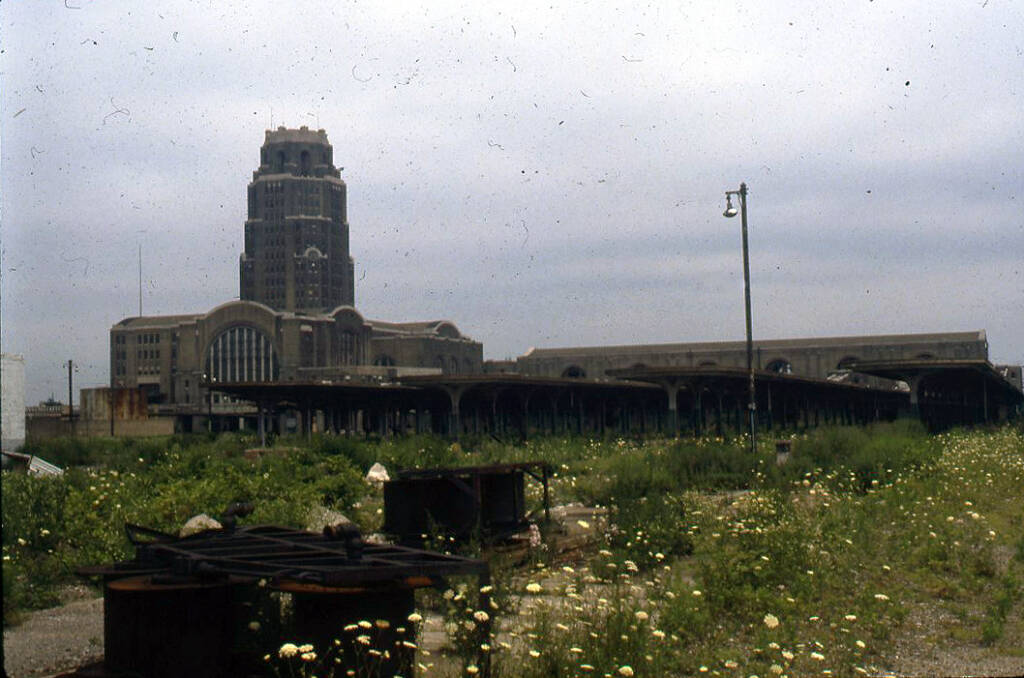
(140, 321)
(778, 344)
(417, 328)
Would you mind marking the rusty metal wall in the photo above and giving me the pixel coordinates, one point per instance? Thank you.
(128, 403)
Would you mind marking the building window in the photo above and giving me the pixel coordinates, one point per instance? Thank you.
(348, 348)
(574, 372)
(240, 354)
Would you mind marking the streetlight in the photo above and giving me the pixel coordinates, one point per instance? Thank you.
(209, 402)
(729, 213)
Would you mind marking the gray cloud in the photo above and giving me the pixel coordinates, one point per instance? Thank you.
(542, 175)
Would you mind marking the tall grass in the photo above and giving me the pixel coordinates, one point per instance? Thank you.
(711, 557)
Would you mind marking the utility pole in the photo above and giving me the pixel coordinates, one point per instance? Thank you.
(730, 212)
(71, 402)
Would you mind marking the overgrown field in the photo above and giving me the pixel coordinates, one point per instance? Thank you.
(711, 562)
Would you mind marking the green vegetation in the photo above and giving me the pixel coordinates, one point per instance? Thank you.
(709, 562)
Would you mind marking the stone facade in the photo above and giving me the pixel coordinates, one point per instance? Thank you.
(448, 351)
(821, 358)
(171, 357)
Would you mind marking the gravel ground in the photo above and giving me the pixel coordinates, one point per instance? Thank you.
(931, 642)
(63, 638)
(928, 645)
(58, 639)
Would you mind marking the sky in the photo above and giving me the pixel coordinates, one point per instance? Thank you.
(543, 174)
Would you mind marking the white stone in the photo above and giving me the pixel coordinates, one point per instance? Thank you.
(377, 475)
(197, 524)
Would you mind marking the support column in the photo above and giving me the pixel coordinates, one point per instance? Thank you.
(579, 413)
(524, 402)
(697, 411)
(984, 398)
(718, 415)
(260, 424)
(553, 401)
(672, 391)
(454, 415)
(915, 400)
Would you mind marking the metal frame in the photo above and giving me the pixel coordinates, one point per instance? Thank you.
(283, 555)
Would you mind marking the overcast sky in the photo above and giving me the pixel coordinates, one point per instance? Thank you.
(542, 174)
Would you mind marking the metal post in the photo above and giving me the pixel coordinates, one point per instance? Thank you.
(71, 402)
(752, 404)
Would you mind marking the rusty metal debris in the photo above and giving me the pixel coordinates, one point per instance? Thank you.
(487, 502)
(188, 606)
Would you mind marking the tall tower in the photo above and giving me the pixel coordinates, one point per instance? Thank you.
(296, 254)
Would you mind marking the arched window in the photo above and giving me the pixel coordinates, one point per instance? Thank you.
(241, 353)
(780, 366)
(348, 348)
(304, 164)
(574, 372)
(847, 362)
(279, 163)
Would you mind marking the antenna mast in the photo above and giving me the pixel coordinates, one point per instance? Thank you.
(140, 280)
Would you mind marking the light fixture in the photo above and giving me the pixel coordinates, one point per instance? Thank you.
(730, 211)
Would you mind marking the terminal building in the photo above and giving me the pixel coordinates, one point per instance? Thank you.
(295, 320)
(818, 357)
(294, 352)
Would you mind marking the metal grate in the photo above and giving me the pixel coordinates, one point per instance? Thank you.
(281, 554)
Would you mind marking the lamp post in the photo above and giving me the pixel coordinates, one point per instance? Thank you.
(209, 403)
(730, 212)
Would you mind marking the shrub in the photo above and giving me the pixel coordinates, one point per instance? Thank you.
(650, 529)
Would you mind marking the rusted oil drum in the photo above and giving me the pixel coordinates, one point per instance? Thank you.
(162, 628)
(320, 614)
